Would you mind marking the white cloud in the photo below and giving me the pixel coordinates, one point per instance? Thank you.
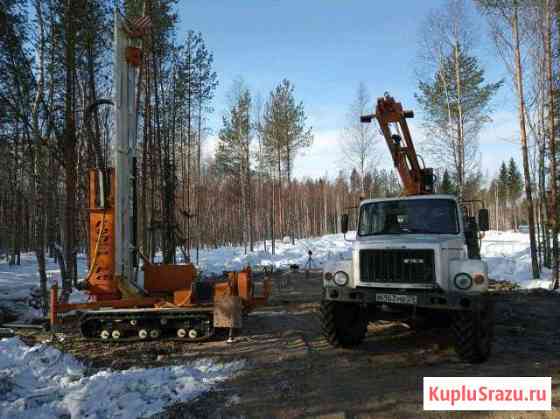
(504, 129)
(321, 159)
(498, 142)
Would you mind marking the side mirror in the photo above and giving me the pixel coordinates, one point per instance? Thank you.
(483, 219)
(344, 223)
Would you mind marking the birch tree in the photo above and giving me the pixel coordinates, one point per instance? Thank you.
(358, 141)
(552, 132)
(504, 16)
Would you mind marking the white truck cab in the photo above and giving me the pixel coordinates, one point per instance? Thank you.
(415, 256)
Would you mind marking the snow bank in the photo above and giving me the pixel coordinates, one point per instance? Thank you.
(332, 246)
(508, 256)
(42, 382)
(18, 283)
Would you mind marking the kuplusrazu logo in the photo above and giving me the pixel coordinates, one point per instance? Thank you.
(487, 393)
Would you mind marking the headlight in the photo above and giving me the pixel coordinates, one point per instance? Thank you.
(478, 278)
(463, 281)
(341, 278)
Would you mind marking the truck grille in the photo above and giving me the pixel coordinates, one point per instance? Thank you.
(392, 266)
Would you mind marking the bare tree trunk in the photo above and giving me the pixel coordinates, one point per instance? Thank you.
(290, 224)
(69, 153)
(524, 150)
(552, 141)
(460, 131)
(249, 195)
(272, 216)
(189, 150)
(198, 177)
(39, 169)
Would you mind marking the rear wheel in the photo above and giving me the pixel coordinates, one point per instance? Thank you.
(343, 324)
(474, 332)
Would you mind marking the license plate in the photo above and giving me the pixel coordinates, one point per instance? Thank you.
(396, 299)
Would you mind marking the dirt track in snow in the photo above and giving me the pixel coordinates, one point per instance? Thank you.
(292, 372)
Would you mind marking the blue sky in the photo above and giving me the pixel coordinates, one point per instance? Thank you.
(326, 47)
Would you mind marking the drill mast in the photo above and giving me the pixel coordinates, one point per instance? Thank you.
(127, 60)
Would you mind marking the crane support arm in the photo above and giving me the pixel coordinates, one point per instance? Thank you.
(416, 180)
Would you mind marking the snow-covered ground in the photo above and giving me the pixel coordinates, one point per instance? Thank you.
(41, 382)
(509, 258)
(507, 254)
(234, 258)
(18, 282)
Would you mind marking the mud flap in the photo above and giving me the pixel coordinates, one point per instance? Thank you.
(228, 312)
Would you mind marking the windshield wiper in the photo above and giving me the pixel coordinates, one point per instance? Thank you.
(420, 231)
(424, 231)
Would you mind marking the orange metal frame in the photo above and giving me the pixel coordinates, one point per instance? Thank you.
(166, 285)
(239, 284)
(401, 146)
(57, 308)
(101, 281)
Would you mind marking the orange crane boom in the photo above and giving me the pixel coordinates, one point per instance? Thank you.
(416, 180)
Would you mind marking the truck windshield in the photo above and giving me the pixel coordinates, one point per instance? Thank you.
(415, 216)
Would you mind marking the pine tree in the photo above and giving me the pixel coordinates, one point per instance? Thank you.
(472, 186)
(285, 127)
(456, 103)
(16, 84)
(233, 154)
(504, 181)
(447, 186)
(355, 182)
(284, 133)
(206, 81)
(514, 181)
(515, 187)
(501, 195)
(234, 136)
(368, 184)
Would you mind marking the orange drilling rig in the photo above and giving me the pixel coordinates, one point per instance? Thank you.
(129, 300)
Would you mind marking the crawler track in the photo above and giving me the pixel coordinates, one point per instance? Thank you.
(126, 325)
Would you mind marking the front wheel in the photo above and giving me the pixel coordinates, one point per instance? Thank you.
(343, 324)
(473, 333)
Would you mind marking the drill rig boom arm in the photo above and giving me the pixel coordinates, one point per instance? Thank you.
(416, 179)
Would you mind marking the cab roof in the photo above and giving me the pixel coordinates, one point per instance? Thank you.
(409, 198)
